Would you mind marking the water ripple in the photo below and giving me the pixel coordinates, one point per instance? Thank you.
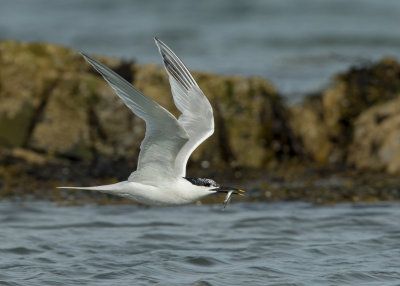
(255, 244)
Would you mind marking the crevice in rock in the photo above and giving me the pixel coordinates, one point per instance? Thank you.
(225, 149)
(282, 141)
(125, 69)
(96, 132)
(38, 114)
(379, 118)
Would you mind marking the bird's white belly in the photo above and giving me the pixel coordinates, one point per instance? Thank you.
(158, 196)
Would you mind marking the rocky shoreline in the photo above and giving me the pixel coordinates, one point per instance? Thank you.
(60, 124)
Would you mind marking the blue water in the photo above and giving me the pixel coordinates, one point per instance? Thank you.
(298, 45)
(247, 244)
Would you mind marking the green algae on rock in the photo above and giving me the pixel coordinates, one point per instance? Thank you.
(54, 105)
(376, 142)
(332, 114)
(61, 122)
(248, 114)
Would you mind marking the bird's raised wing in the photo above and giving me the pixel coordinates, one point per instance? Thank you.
(164, 137)
(197, 115)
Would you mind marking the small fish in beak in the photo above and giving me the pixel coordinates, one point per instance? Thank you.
(229, 192)
(228, 198)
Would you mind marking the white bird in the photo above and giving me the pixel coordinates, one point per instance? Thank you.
(160, 178)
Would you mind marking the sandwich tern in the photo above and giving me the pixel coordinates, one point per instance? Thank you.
(160, 178)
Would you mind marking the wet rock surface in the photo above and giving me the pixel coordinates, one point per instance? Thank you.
(376, 142)
(61, 124)
(328, 126)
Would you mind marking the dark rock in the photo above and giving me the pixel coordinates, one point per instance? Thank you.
(325, 122)
(376, 142)
(60, 123)
(54, 108)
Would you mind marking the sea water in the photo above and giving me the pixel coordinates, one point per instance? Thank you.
(245, 244)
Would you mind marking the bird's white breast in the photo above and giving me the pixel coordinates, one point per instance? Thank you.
(174, 192)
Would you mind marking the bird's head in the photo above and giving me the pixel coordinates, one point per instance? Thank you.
(212, 186)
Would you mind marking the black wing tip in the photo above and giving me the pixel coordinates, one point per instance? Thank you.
(87, 57)
(164, 49)
(159, 43)
(99, 67)
(83, 54)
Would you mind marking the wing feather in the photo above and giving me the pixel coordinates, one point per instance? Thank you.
(164, 137)
(197, 114)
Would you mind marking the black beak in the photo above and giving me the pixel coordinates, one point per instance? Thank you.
(224, 189)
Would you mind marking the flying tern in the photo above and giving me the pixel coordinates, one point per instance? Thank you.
(160, 178)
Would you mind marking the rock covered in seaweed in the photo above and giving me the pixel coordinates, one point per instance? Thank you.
(325, 122)
(54, 104)
(250, 118)
(46, 95)
(55, 110)
(376, 142)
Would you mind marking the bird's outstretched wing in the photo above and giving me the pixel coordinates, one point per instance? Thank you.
(164, 137)
(197, 115)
